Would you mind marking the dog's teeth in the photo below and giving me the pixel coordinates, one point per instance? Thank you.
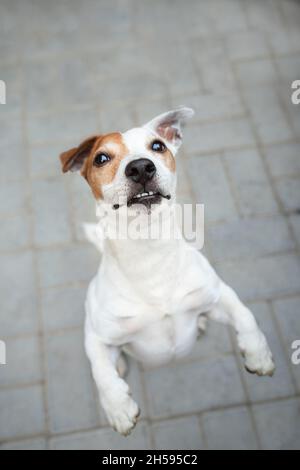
(150, 193)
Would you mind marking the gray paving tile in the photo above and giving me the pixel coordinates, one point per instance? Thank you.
(263, 278)
(147, 14)
(256, 72)
(270, 121)
(295, 221)
(250, 238)
(280, 385)
(22, 412)
(217, 73)
(250, 182)
(210, 186)
(231, 16)
(51, 212)
(284, 160)
(183, 81)
(10, 131)
(214, 106)
(113, 60)
(68, 82)
(15, 232)
(19, 314)
(117, 118)
(287, 312)
(289, 193)
(246, 45)
(285, 42)
(217, 136)
(278, 424)
(264, 16)
(229, 429)
(178, 434)
(82, 202)
(29, 444)
(215, 342)
(105, 439)
(71, 398)
(11, 75)
(63, 307)
(10, 50)
(14, 197)
(289, 68)
(180, 80)
(38, 77)
(44, 159)
(66, 265)
(129, 89)
(23, 362)
(185, 379)
(291, 14)
(13, 163)
(147, 110)
(210, 57)
(73, 126)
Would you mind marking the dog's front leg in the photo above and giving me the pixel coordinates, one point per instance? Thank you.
(121, 410)
(251, 341)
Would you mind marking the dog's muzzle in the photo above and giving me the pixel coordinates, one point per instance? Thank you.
(145, 190)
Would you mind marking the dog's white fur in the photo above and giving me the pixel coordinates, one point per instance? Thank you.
(149, 297)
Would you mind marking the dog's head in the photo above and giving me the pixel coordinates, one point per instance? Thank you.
(135, 168)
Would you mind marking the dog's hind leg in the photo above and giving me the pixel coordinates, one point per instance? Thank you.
(122, 365)
(252, 342)
(202, 324)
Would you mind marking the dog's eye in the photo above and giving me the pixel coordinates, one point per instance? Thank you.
(158, 146)
(101, 159)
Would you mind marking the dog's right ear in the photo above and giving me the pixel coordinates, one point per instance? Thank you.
(73, 159)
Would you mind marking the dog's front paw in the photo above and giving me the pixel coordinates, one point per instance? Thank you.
(122, 413)
(258, 357)
(260, 362)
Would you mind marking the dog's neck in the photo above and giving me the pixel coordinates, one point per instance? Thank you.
(148, 254)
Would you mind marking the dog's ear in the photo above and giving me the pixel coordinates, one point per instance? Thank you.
(169, 125)
(73, 159)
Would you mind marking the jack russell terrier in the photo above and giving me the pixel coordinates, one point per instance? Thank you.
(149, 297)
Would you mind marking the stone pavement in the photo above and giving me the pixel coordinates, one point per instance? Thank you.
(74, 67)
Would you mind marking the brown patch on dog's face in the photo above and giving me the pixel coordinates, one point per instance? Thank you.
(111, 145)
(169, 160)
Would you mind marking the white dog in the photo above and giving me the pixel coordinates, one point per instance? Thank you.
(150, 296)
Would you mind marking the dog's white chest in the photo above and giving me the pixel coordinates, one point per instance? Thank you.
(169, 338)
(153, 318)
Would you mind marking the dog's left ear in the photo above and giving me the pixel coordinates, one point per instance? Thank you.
(169, 125)
(73, 159)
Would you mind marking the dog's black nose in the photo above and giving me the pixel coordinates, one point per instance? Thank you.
(140, 170)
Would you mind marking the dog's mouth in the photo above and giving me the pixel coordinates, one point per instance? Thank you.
(147, 198)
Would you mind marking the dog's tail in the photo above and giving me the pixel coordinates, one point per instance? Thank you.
(94, 234)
